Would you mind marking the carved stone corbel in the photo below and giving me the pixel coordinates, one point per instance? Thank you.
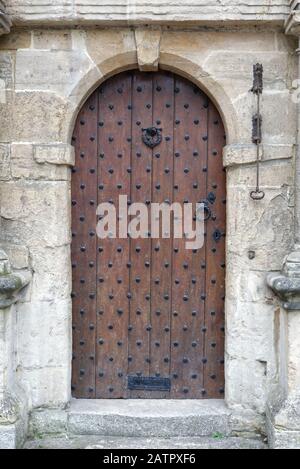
(148, 48)
(287, 284)
(11, 283)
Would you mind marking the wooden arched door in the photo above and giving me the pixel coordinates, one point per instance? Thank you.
(148, 315)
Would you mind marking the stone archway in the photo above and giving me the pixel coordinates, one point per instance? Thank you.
(140, 332)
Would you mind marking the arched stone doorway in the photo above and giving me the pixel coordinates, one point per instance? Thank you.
(148, 315)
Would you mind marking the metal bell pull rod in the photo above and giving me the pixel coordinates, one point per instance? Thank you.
(257, 89)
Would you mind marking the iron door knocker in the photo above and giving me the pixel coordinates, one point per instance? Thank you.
(152, 136)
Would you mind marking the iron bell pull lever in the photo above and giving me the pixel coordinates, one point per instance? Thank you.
(257, 90)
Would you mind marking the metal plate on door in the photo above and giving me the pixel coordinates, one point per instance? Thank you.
(137, 383)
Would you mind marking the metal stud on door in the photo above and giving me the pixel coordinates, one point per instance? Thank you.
(148, 314)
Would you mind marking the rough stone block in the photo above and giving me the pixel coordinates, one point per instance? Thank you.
(47, 422)
(36, 213)
(61, 68)
(42, 331)
(5, 173)
(52, 277)
(24, 164)
(55, 154)
(265, 231)
(116, 47)
(15, 40)
(7, 437)
(245, 154)
(6, 117)
(38, 117)
(52, 40)
(47, 386)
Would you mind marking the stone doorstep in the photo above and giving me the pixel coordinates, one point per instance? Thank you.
(149, 418)
(90, 442)
(112, 424)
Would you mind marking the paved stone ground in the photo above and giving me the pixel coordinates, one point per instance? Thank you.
(97, 442)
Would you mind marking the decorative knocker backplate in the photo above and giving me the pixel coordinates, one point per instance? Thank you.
(152, 137)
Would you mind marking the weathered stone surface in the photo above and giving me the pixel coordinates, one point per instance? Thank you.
(52, 273)
(18, 255)
(283, 426)
(151, 418)
(51, 40)
(7, 437)
(47, 422)
(97, 442)
(4, 162)
(9, 410)
(38, 117)
(6, 99)
(62, 68)
(48, 386)
(118, 48)
(266, 229)
(25, 159)
(6, 68)
(55, 154)
(5, 21)
(41, 330)
(135, 11)
(245, 154)
(36, 213)
(15, 40)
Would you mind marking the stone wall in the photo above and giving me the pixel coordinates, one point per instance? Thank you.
(47, 75)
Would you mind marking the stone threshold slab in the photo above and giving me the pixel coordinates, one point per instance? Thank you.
(149, 418)
(96, 443)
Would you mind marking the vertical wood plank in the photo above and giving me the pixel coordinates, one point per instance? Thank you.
(215, 252)
(140, 249)
(162, 190)
(112, 276)
(84, 202)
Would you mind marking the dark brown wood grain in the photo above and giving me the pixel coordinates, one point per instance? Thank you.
(148, 307)
(84, 204)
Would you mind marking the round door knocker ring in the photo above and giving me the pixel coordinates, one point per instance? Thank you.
(152, 136)
(257, 195)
